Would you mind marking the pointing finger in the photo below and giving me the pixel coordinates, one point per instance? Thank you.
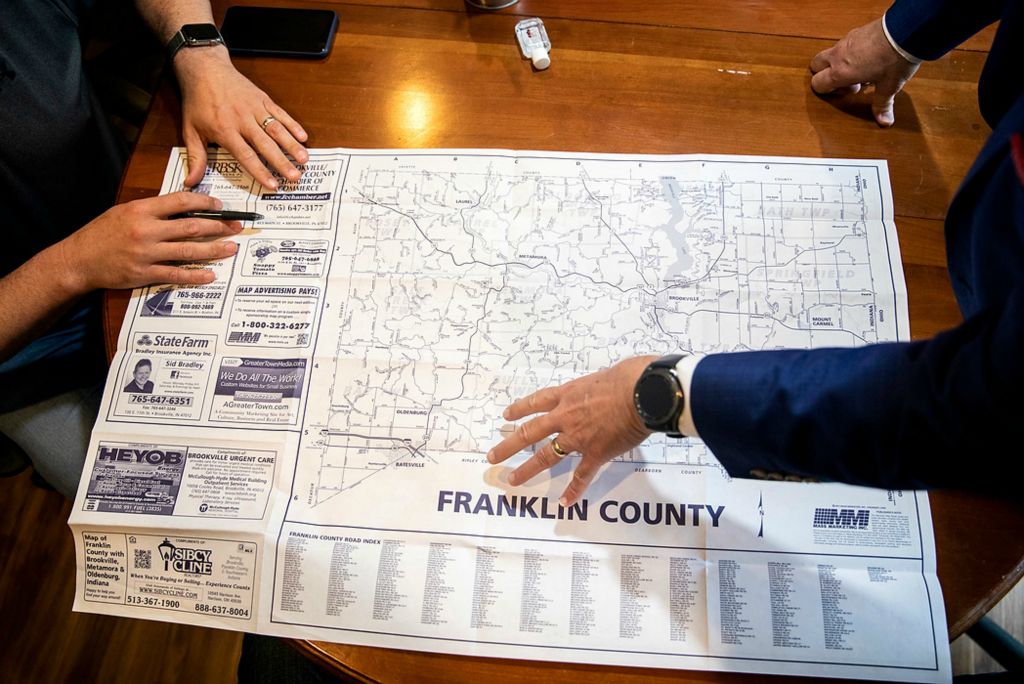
(525, 434)
(541, 401)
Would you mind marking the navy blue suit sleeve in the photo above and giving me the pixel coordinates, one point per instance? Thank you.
(928, 29)
(897, 415)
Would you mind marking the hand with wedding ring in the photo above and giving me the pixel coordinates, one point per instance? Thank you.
(592, 417)
(220, 105)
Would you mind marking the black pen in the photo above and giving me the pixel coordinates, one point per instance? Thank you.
(221, 215)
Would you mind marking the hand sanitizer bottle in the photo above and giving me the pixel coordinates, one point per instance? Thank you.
(533, 41)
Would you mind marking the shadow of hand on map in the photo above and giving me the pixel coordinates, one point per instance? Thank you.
(608, 478)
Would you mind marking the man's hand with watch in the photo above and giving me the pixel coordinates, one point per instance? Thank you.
(220, 105)
(596, 417)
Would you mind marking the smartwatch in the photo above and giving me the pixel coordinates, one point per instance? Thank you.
(658, 396)
(193, 35)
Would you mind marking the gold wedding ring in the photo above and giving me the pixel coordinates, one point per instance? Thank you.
(559, 451)
(266, 122)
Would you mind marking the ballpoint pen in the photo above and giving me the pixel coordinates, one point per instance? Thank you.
(221, 215)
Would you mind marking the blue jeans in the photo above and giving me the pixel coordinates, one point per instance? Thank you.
(51, 393)
(55, 434)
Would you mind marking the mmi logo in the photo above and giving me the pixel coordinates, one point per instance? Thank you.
(843, 518)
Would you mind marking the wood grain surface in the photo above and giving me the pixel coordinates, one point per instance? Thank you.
(652, 77)
(43, 641)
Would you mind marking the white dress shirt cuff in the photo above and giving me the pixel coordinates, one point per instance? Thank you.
(903, 53)
(684, 371)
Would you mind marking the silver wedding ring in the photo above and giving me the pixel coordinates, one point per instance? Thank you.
(266, 122)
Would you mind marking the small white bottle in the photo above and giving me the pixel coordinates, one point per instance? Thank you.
(533, 41)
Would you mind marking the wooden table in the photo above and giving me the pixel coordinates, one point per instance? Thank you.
(640, 77)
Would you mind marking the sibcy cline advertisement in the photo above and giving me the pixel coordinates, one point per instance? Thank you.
(200, 411)
(222, 493)
(200, 575)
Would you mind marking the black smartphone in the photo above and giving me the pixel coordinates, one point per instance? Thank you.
(279, 31)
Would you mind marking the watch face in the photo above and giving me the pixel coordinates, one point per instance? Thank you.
(200, 32)
(656, 397)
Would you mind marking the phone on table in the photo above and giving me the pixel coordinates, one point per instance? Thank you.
(279, 31)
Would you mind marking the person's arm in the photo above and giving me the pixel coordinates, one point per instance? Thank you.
(901, 415)
(220, 105)
(127, 246)
(887, 52)
(898, 415)
(928, 29)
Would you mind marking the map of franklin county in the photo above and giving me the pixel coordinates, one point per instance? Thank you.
(460, 283)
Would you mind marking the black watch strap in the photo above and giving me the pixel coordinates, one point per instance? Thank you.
(193, 35)
(669, 361)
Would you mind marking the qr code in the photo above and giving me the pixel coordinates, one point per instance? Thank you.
(302, 339)
(143, 559)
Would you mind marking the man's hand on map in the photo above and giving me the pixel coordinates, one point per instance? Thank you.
(220, 105)
(131, 244)
(864, 56)
(592, 416)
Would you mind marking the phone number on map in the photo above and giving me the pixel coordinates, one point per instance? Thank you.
(274, 325)
(221, 610)
(292, 207)
(152, 602)
(159, 399)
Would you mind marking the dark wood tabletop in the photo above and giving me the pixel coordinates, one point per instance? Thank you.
(658, 77)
